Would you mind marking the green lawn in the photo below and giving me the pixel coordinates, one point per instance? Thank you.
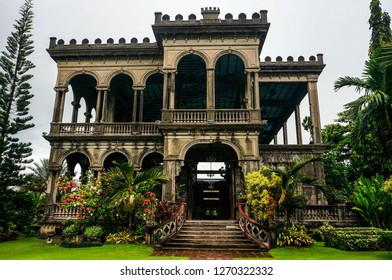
(319, 252)
(36, 249)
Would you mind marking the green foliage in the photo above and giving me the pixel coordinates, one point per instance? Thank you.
(294, 236)
(261, 188)
(15, 99)
(121, 237)
(71, 231)
(93, 233)
(354, 239)
(386, 240)
(379, 24)
(17, 210)
(373, 202)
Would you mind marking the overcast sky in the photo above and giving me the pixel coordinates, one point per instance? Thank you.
(337, 28)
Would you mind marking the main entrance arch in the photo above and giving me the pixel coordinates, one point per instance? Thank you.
(209, 181)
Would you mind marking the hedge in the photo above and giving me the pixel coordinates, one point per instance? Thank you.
(354, 239)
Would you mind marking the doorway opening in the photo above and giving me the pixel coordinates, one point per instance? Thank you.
(209, 181)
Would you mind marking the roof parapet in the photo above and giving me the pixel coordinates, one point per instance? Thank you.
(301, 59)
(211, 15)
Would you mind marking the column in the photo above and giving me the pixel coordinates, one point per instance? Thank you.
(57, 102)
(135, 98)
(141, 105)
(172, 88)
(165, 90)
(62, 104)
(298, 125)
(256, 91)
(75, 111)
(104, 105)
(248, 94)
(285, 136)
(98, 106)
(210, 88)
(314, 108)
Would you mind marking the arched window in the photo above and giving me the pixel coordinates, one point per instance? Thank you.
(120, 99)
(84, 98)
(153, 98)
(191, 83)
(230, 81)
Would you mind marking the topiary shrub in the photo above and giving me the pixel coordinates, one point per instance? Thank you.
(294, 236)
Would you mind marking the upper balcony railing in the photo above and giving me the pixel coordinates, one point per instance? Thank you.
(172, 117)
(104, 129)
(221, 116)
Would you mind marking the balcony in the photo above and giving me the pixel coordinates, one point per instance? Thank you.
(103, 129)
(176, 118)
(211, 116)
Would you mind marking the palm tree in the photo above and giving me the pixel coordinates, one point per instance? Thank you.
(125, 182)
(384, 55)
(290, 194)
(123, 190)
(374, 108)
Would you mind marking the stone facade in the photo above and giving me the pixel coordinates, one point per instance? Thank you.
(199, 94)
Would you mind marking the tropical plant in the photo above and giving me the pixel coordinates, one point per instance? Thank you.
(370, 117)
(15, 99)
(290, 195)
(372, 201)
(294, 236)
(122, 190)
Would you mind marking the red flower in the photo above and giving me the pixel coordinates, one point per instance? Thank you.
(147, 201)
(270, 198)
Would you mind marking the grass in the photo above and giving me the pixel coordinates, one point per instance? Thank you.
(320, 252)
(36, 249)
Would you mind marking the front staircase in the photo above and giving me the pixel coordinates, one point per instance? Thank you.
(203, 235)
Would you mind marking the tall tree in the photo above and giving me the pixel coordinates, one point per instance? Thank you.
(379, 24)
(15, 98)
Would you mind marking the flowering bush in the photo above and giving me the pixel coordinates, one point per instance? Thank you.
(65, 185)
(261, 189)
(85, 197)
(150, 204)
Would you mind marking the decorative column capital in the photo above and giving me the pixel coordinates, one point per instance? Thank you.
(312, 78)
(102, 88)
(60, 88)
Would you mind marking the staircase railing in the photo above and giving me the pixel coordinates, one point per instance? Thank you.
(156, 234)
(256, 232)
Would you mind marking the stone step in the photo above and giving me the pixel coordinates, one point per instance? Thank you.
(211, 236)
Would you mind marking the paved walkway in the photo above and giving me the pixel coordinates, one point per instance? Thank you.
(211, 255)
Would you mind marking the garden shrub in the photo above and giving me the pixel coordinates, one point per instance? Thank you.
(261, 189)
(354, 238)
(163, 211)
(93, 233)
(8, 236)
(386, 240)
(71, 231)
(294, 236)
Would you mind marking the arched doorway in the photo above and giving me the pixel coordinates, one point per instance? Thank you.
(209, 181)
